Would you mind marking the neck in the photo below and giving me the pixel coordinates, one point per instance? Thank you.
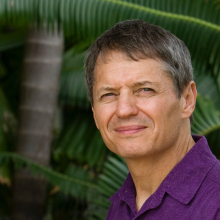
(149, 172)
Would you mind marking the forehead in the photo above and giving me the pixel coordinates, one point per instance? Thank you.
(112, 62)
(107, 56)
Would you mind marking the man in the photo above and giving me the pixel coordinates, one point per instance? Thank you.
(140, 84)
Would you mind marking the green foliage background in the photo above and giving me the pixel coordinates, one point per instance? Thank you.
(83, 169)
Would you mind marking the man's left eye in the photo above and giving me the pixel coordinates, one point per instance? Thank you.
(146, 89)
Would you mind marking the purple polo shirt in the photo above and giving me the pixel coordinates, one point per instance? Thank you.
(191, 191)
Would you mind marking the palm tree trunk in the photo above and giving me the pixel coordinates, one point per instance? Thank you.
(39, 88)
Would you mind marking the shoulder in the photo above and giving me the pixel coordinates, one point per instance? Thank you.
(205, 204)
(209, 194)
(211, 184)
(214, 173)
(117, 210)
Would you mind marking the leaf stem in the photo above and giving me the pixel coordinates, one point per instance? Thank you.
(166, 14)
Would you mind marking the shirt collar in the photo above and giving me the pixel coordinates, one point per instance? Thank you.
(187, 176)
(127, 193)
(181, 183)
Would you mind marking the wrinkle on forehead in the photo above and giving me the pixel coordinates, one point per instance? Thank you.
(107, 56)
(117, 62)
(115, 57)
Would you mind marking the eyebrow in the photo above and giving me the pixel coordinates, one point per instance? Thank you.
(105, 88)
(136, 84)
(142, 83)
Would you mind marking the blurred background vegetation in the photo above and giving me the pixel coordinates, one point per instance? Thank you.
(81, 173)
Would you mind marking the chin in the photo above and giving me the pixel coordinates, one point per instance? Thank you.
(132, 152)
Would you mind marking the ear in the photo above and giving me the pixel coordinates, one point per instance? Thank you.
(189, 99)
(94, 116)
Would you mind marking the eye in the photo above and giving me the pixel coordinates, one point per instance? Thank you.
(107, 95)
(146, 89)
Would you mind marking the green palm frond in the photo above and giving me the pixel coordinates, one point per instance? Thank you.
(75, 181)
(207, 122)
(207, 86)
(206, 117)
(81, 141)
(214, 140)
(196, 22)
(113, 176)
(72, 80)
(12, 39)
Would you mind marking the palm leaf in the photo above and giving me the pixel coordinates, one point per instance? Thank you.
(72, 80)
(12, 39)
(113, 176)
(86, 19)
(207, 86)
(75, 181)
(207, 118)
(214, 140)
(81, 142)
(207, 122)
(195, 22)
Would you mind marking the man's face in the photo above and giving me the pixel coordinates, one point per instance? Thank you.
(135, 106)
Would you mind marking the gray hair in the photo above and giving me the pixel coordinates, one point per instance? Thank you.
(139, 40)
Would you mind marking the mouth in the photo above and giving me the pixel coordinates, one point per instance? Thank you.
(128, 130)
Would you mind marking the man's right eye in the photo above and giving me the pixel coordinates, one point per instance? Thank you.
(107, 94)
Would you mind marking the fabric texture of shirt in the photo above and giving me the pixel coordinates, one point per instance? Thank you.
(191, 191)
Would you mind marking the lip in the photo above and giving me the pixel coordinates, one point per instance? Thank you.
(132, 129)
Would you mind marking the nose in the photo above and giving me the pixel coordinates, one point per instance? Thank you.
(126, 106)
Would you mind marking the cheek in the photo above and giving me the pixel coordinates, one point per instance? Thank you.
(154, 109)
(161, 111)
(102, 116)
(171, 116)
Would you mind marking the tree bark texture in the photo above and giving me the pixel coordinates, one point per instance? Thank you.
(39, 90)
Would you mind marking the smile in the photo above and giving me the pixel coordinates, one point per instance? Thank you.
(127, 130)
